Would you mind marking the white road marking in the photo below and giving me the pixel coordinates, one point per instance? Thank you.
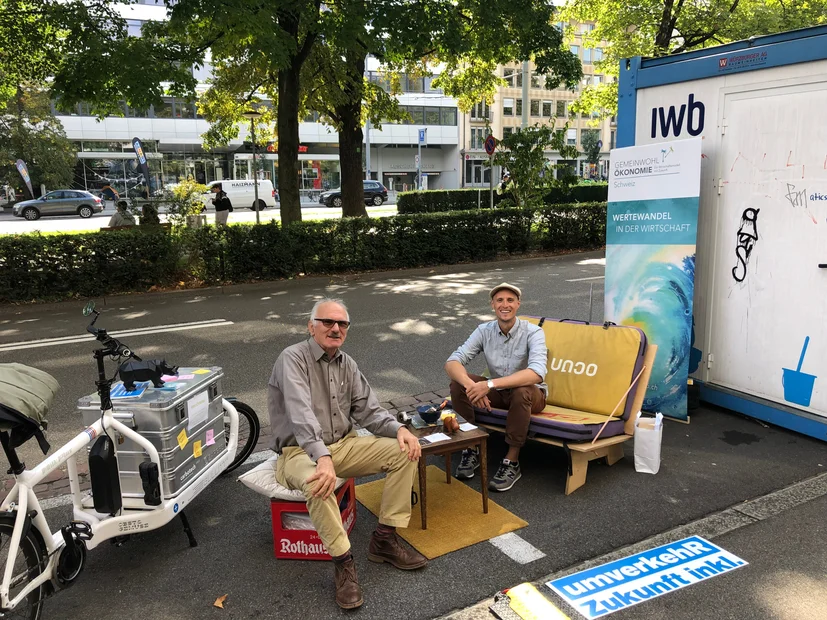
(584, 279)
(142, 331)
(516, 548)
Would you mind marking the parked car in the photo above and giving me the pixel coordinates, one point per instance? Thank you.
(241, 193)
(59, 202)
(375, 194)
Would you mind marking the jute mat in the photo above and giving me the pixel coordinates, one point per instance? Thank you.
(455, 518)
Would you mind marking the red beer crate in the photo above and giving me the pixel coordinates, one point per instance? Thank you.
(305, 544)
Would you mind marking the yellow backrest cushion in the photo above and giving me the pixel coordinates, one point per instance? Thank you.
(589, 368)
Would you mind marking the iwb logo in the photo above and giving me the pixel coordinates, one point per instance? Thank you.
(671, 120)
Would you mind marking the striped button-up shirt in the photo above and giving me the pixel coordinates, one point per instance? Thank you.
(313, 400)
(524, 346)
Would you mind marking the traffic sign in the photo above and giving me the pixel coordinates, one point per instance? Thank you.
(600, 144)
(422, 134)
(416, 159)
(490, 144)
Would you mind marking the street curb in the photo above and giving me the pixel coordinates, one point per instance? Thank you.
(709, 527)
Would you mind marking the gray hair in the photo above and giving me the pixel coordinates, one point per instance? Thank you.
(328, 300)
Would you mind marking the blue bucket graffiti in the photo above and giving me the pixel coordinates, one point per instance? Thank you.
(798, 386)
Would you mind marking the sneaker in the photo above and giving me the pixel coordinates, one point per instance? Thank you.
(506, 476)
(469, 462)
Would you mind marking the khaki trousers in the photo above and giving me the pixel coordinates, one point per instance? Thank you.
(221, 217)
(353, 456)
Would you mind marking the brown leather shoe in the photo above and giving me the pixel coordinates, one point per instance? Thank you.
(390, 549)
(348, 590)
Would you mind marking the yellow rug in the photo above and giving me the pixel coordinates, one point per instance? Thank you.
(455, 518)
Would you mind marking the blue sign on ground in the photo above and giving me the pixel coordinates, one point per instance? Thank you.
(620, 584)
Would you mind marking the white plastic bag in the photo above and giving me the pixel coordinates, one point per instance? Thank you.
(648, 433)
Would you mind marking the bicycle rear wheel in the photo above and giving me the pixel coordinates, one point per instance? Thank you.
(248, 432)
(28, 564)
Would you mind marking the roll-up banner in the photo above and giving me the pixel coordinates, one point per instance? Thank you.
(24, 172)
(139, 151)
(650, 257)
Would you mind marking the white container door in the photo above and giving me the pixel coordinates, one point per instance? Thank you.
(767, 330)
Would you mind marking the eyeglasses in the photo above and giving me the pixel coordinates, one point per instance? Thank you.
(328, 323)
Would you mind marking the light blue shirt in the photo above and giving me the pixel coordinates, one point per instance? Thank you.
(523, 347)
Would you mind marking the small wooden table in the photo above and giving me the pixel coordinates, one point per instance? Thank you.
(458, 441)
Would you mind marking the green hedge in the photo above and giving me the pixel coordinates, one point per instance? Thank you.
(443, 200)
(37, 267)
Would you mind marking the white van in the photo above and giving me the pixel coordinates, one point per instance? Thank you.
(241, 193)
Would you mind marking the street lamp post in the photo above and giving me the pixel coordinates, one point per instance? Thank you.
(252, 115)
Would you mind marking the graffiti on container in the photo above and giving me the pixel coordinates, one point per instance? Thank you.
(796, 198)
(747, 237)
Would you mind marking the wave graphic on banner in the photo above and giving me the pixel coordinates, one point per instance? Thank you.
(654, 293)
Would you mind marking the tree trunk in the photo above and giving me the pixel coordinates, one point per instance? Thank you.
(288, 127)
(350, 141)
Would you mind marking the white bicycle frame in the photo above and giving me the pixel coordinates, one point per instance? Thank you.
(22, 499)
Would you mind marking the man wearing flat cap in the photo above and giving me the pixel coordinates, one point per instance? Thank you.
(516, 355)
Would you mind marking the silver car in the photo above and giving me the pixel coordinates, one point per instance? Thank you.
(59, 202)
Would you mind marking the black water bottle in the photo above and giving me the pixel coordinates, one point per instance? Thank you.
(103, 473)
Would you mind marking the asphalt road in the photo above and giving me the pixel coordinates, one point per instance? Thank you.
(405, 325)
(10, 225)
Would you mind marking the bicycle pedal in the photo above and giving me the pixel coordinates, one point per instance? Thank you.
(81, 530)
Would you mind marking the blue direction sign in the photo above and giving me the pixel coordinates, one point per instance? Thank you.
(490, 145)
(422, 136)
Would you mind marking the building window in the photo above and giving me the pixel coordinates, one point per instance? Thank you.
(508, 76)
(477, 172)
(586, 132)
(417, 115)
(480, 110)
(508, 107)
(535, 107)
(535, 80)
(612, 140)
(596, 80)
(586, 28)
(415, 84)
(478, 136)
(561, 109)
(587, 55)
(507, 131)
(597, 54)
(432, 116)
(513, 77)
(449, 117)
(136, 113)
(547, 109)
(575, 49)
(571, 137)
(519, 108)
(184, 109)
(164, 109)
(65, 110)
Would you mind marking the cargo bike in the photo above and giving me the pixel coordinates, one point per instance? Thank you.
(151, 454)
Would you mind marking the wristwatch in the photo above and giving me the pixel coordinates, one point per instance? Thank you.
(490, 384)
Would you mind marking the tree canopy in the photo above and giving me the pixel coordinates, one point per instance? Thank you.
(653, 28)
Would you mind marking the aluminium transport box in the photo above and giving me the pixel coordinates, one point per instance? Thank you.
(759, 342)
(185, 424)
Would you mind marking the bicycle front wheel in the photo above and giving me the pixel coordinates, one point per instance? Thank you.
(29, 563)
(248, 432)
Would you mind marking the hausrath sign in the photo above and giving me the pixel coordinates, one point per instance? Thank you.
(621, 584)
